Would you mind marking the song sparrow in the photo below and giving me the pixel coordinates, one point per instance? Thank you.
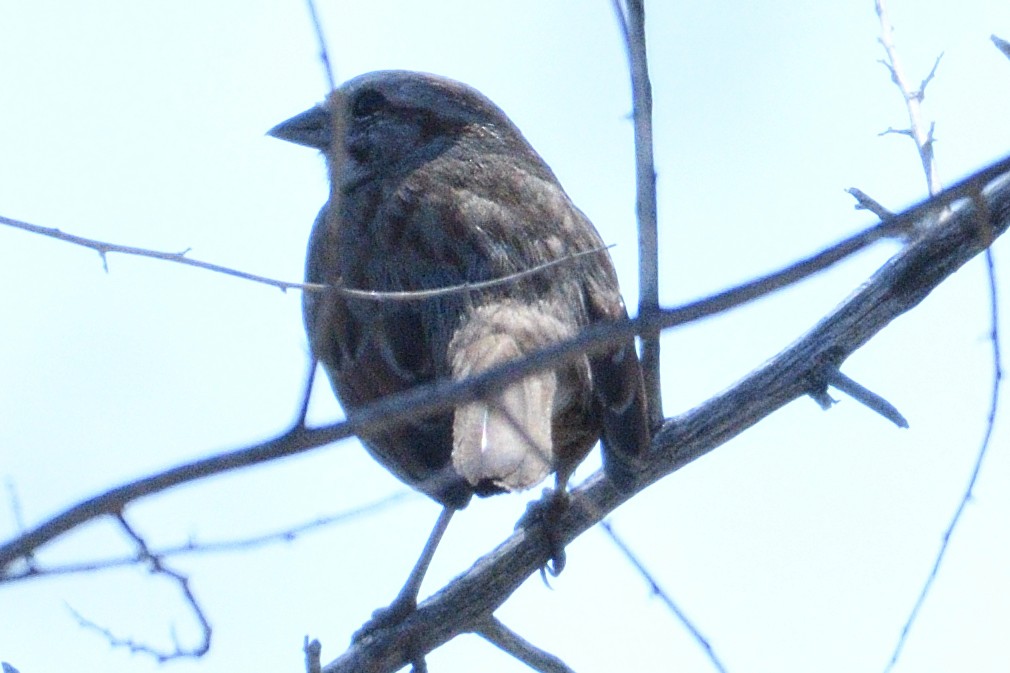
(433, 186)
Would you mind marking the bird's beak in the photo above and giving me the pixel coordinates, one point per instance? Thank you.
(310, 128)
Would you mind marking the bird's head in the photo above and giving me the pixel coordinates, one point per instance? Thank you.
(394, 120)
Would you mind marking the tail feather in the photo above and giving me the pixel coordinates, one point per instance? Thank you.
(617, 381)
(505, 439)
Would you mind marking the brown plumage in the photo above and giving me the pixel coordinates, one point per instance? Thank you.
(438, 188)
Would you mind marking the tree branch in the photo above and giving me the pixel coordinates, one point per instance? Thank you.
(913, 99)
(426, 400)
(894, 289)
(665, 597)
(104, 247)
(632, 25)
(509, 641)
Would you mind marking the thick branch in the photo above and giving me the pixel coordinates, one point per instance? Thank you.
(896, 288)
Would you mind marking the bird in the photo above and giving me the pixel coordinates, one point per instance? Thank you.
(435, 192)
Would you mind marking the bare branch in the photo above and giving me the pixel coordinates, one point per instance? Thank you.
(924, 143)
(897, 287)
(192, 547)
(913, 98)
(324, 54)
(156, 567)
(979, 458)
(496, 633)
(429, 399)
(665, 597)
(103, 248)
(463, 288)
(632, 23)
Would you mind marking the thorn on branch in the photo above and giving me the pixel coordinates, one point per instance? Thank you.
(835, 378)
(507, 640)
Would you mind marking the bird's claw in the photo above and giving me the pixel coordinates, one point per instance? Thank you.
(547, 513)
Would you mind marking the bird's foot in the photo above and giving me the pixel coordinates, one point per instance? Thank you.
(547, 512)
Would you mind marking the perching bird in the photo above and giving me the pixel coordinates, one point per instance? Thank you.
(434, 187)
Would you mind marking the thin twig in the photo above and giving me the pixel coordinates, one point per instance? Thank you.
(463, 288)
(997, 379)
(913, 99)
(632, 23)
(324, 53)
(664, 596)
(15, 501)
(156, 567)
(193, 547)
(104, 248)
(924, 144)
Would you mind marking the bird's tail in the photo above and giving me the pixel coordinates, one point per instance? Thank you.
(617, 380)
(504, 439)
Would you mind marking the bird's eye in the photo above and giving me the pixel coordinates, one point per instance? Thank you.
(367, 104)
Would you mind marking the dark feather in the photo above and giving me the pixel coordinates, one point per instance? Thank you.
(438, 188)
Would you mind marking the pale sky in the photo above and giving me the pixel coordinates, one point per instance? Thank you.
(799, 546)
